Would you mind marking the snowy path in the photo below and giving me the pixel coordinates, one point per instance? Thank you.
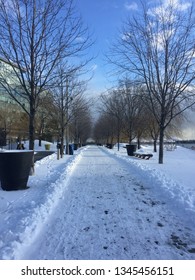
(106, 212)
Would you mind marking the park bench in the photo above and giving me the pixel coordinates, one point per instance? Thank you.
(143, 155)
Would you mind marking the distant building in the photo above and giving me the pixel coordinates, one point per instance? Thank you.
(13, 119)
(10, 110)
(8, 79)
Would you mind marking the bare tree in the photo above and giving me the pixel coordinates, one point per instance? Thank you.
(81, 120)
(113, 105)
(34, 37)
(132, 107)
(105, 129)
(43, 120)
(158, 47)
(66, 92)
(151, 127)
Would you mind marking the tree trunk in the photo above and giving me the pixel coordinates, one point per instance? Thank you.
(155, 145)
(40, 140)
(32, 137)
(118, 134)
(161, 144)
(31, 130)
(62, 143)
(130, 138)
(138, 143)
(62, 147)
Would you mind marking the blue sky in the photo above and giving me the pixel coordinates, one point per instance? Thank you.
(104, 18)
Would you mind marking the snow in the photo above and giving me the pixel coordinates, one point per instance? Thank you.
(101, 204)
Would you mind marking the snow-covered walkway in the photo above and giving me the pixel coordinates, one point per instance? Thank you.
(107, 212)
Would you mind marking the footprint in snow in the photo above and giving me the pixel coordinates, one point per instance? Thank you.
(86, 228)
(160, 225)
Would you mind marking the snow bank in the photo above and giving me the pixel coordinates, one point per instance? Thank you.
(174, 179)
(40, 206)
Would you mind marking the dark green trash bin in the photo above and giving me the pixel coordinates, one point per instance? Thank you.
(71, 149)
(75, 146)
(109, 146)
(15, 169)
(131, 148)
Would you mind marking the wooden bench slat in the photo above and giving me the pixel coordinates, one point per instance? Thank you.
(143, 155)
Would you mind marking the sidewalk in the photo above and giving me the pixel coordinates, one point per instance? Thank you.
(105, 212)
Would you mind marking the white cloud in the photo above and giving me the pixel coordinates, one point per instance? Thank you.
(165, 12)
(80, 39)
(94, 67)
(177, 4)
(160, 38)
(132, 6)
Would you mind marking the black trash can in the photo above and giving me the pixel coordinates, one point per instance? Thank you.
(75, 146)
(131, 148)
(58, 146)
(71, 149)
(15, 169)
(109, 146)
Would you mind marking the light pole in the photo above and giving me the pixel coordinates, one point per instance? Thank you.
(67, 117)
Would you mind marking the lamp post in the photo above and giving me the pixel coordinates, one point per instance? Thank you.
(67, 117)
